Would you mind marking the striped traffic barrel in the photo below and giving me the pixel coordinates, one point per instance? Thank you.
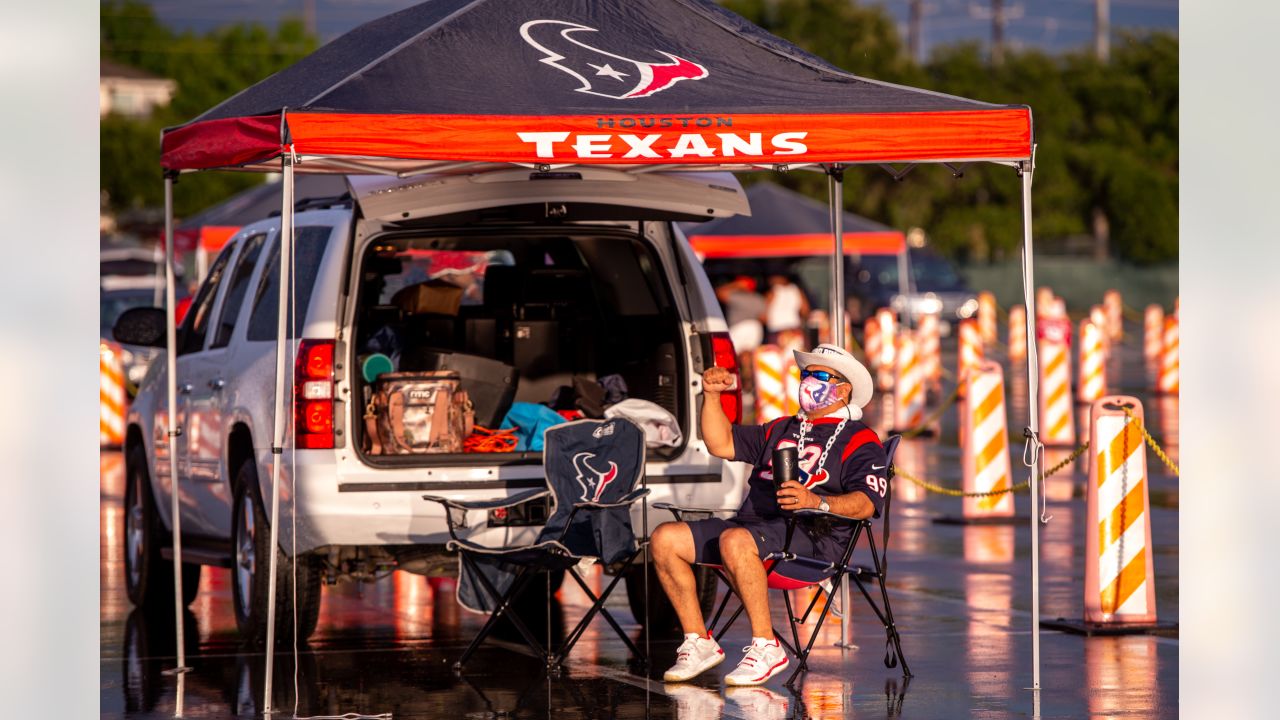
(985, 450)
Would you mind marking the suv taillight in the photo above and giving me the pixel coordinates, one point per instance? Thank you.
(313, 395)
(724, 356)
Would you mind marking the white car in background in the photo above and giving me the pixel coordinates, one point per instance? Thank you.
(580, 273)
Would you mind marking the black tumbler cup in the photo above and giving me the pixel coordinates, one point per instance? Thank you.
(785, 460)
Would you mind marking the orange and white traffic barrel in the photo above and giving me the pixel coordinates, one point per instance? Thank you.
(929, 350)
(1153, 332)
(111, 395)
(1093, 365)
(908, 385)
(1119, 577)
(1114, 306)
(769, 370)
(1098, 316)
(1017, 332)
(987, 316)
(871, 343)
(985, 450)
(969, 353)
(888, 323)
(1057, 426)
(1044, 302)
(788, 343)
(1167, 382)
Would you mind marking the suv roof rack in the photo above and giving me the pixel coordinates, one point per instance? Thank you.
(319, 203)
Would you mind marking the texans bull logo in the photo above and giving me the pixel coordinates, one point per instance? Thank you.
(593, 481)
(603, 73)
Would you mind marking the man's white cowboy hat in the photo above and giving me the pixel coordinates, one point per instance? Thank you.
(845, 365)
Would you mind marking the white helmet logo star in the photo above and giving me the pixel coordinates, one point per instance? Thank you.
(607, 71)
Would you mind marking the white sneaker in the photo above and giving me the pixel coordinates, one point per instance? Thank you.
(696, 703)
(762, 661)
(758, 703)
(694, 656)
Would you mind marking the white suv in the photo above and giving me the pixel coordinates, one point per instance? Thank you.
(567, 275)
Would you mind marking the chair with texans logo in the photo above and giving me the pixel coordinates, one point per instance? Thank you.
(787, 571)
(592, 470)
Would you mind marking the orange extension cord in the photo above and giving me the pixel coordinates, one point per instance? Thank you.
(485, 440)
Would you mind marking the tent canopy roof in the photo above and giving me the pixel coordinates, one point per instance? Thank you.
(549, 81)
(784, 223)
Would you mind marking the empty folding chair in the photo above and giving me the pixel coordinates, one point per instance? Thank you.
(787, 571)
(592, 468)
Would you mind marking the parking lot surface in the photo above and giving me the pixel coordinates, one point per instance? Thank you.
(961, 595)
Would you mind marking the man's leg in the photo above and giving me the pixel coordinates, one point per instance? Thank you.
(743, 565)
(673, 556)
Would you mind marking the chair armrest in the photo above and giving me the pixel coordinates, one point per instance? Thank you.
(677, 510)
(814, 512)
(491, 504)
(626, 500)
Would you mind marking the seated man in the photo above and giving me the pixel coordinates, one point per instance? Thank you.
(842, 470)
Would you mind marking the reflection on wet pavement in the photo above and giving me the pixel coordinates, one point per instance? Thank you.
(961, 595)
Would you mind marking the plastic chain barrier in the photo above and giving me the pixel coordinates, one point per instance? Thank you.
(1024, 485)
(933, 416)
(1155, 446)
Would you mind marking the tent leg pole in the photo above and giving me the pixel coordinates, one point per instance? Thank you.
(171, 358)
(835, 191)
(1026, 171)
(281, 402)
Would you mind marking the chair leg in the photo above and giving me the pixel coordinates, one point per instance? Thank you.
(503, 604)
(791, 622)
(890, 627)
(597, 605)
(822, 616)
(728, 593)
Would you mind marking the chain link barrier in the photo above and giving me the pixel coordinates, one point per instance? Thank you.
(1155, 446)
(933, 416)
(1024, 485)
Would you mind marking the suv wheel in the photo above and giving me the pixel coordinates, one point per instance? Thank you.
(148, 577)
(250, 538)
(662, 616)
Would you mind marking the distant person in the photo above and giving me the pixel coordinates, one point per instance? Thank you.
(744, 311)
(787, 307)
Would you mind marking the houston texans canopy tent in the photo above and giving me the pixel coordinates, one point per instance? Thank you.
(784, 223)
(462, 86)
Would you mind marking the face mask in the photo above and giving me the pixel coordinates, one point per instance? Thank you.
(815, 394)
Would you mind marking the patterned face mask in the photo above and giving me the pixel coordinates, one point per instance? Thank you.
(815, 394)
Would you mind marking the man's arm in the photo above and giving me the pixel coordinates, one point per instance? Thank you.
(717, 430)
(856, 505)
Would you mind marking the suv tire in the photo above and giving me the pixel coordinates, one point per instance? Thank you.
(148, 576)
(662, 616)
(250, 536)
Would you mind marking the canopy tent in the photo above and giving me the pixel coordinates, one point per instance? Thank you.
(457, 86)
(784, 223)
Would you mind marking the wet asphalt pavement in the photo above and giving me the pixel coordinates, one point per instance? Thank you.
(961, 596)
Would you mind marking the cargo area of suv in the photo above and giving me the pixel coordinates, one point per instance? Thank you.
(520, 313)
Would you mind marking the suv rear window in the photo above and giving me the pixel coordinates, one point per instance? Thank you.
(309, 250)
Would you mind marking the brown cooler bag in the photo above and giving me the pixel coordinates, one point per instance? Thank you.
(414, 413)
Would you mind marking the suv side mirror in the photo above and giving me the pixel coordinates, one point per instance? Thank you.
(144, 326)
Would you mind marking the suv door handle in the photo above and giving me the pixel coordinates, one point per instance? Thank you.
(185, 388)
(217, 384)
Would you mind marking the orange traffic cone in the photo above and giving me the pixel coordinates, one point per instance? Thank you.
(1098, 316)
(908, 386)
(928, 347)
(1044, 301)
(1153, 332)
(1017, 332)
(987, 316)
(1168, 381)
(985, 448)
(1093, 366)
(871, 343)
(1112, 303)
(1119, 575)
(111, 395)
(769, 385)
(1057, 427)
(788, 343)
(888, 323)
(970, 349)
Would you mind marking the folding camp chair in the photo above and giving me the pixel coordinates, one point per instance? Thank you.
(786, 571)
(592, 468)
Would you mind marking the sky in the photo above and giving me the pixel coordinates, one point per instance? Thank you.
(1053, 25)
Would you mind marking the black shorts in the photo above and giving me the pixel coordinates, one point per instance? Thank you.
(770, 535)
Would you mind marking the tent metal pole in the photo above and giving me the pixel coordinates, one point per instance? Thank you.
(1026, 171)
(278, 436)
(171, 376)
(835, 191)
